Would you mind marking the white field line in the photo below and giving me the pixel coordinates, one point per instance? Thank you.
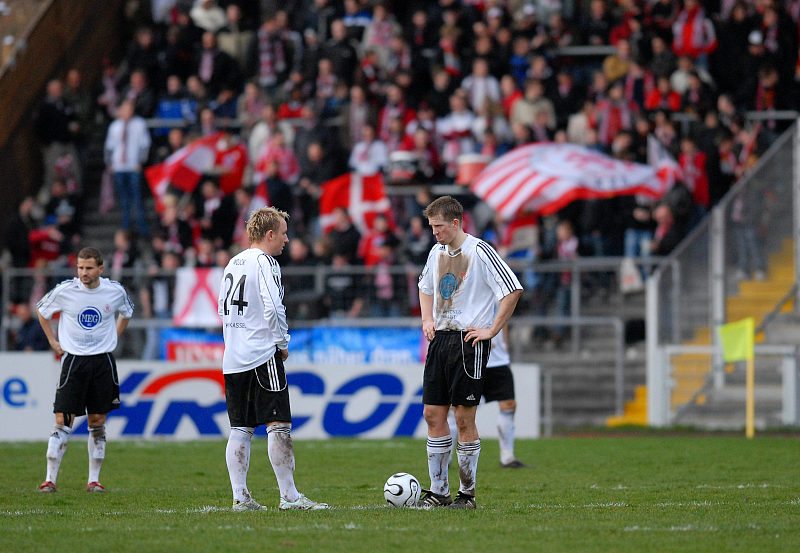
(682, 528)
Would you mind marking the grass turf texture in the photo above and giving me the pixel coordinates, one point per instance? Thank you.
(638, 494)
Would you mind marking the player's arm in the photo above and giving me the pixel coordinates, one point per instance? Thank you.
(426, 290)
(426, 309)
(48, 331)
(504, 284)
(122, 324)
(274, 310)
(504, 312)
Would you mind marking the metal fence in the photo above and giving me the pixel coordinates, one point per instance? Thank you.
(322, 294)
(690, 293)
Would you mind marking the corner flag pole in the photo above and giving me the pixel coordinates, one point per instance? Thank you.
(737, 340)
(750, 402)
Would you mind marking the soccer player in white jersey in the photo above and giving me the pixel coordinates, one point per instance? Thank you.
(460, 284)
(94, 312)
(256, 338)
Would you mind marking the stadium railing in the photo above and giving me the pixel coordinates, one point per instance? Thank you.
(593, 282)
(687, 296)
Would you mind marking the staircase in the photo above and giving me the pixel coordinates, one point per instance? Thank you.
(583, 382)
(724, 408)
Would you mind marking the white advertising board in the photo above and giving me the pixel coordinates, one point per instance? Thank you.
(185, 401)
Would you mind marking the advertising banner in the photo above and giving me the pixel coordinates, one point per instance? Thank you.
(321, 344)
(185, 401)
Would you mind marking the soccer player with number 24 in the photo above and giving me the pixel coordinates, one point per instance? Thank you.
(256, 338)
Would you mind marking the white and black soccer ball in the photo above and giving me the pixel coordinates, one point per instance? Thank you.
(402, 490)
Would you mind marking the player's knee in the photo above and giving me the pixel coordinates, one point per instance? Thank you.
(435, 415)
(280, 428)
(242, 432)
(58, 441)
(508, 405)
(96, 420)
(98, 432)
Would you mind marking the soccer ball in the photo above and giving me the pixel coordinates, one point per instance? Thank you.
(402, 490)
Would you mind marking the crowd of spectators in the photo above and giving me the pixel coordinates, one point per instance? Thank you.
(317, 88)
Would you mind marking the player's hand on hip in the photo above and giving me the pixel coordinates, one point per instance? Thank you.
(284, 354)
(474, 335)
(57, 348)
(428, 329)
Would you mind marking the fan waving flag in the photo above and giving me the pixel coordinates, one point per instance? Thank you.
(362, 196)
(214, 154)
(544, 177)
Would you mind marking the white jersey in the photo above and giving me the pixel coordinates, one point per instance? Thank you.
(498, 356)
(466, 284)
(88, 322)
(253, 315)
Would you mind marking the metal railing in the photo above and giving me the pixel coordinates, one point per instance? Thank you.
(311, 285)
(790, 363)
(687, 297)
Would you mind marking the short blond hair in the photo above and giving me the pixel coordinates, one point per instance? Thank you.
(264, 220)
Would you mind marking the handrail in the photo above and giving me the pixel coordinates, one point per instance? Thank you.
(619, 330)
(769, 317)
(777, 350)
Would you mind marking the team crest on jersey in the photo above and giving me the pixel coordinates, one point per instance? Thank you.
(448, 285)
(89, 318)
(275, 270)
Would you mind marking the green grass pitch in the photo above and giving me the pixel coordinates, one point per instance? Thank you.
(600, 494)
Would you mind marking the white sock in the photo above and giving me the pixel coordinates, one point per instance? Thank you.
(237, 457)
(468, 453)
(56, 447)
(439, 450)
(451, 422)
(281, 456)
(97, 451)
(505, 430)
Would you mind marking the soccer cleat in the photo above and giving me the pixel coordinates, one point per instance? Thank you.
(463, 501)
(302, 503)
(514, 464)
(247, 505)
(47, 487)
(95, 487)
(431, 500)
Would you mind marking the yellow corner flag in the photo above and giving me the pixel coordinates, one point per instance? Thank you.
(737, 345)
(737, 340)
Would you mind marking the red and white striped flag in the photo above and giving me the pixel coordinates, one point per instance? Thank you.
(183, 169)
(544, 177)
(362, 196)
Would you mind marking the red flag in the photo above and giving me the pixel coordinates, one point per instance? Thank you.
(362, 196)
(214, 153)
(544, 177)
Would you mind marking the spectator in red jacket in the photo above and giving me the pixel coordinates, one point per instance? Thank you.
(693, 33)
(663, 97)
(695, 176)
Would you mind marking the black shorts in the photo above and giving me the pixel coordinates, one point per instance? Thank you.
(454, 370)
(88, 384)
(498, 384)
(258, 396)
